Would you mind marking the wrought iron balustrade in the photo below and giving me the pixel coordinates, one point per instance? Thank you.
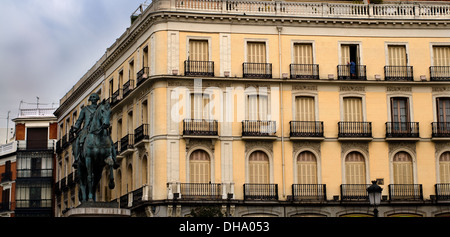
(442, 191)
(258, 128)
(440, 73)
(354, 192)
(260, 191)
(306, 128)
(127, 142)
(257, 70)
(210, 191)
(141, 133)
(199, 68)
(402, 129)
(316, 192)
(355, 129)
(304, 71)
(346, 72)
(398, 73)
(128, 87)
(200, 127)
(409, 192)
(142, 75)
(440, 129)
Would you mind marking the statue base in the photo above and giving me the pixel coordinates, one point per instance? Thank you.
(98, 209)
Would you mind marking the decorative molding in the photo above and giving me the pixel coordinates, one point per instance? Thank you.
(208, 143)
(441, 147)
(399, 89)
(300, 145)
(354, 145)
(304, 87)
(250, 145)
(397, 146)
(352, 88)
(441, 89)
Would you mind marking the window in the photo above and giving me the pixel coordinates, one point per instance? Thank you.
(444, 167)
(400, 110)
(131, 70)
(350, 53)
(303, 53)
(145, 57)
(37, 138)
(144, 112)
(403, 171)
(199, 167)
(443, 110)
(200, 106)
(258, 107)
(304, 108)
(256, 52)
(355, 168)
(441, 55)
(353, 109)
(259, 168)
(306, 168)
(397, 55)
(198, 50)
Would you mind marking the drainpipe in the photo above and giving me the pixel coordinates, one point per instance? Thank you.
(279, 28)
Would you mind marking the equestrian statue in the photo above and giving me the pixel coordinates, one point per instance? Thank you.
(93, 148)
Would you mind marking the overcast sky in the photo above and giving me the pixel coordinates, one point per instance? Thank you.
(46, 46)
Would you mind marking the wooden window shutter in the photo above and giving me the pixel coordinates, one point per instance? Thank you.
(441, 56)
(345, 54)
(305, 108)
(199, 167)
(306, 168)
(444, 167)
(256, 52)
(198, 50)
(355, 168)
(397, 55)
(403, 172)
(303, 53)
(259, 168)
(353, 109)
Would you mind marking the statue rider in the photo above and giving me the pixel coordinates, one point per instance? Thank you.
(85, 119)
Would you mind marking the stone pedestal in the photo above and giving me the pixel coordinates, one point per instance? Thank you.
(98, 209)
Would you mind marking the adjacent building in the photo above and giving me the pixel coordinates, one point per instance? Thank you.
(273, 108)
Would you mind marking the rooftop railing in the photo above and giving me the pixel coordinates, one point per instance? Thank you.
(314, 9)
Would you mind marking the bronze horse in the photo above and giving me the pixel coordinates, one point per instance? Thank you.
(96, 153)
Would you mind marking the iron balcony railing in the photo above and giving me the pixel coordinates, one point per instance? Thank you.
(115, 98)
(348, 72)
(402, 129)
(440, 73)
(200, 127)
(354, 192)
(6, 176)
(440, 129)
(442, 191)
(127, 142)
(398, 73)
(34, 173)
(141, 133)
(354, 129)
(306, 128)
(128, 87)
(210, 191)
(260, 191)
(304, 71)
(309, 192)
(142, 75)
(199, 68)
(407, 192)
(257, 70)
(258, 128)
(33, 203)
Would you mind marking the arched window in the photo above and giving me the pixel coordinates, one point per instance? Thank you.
(306, 168)
(444, 167)
(403, 169)
(199, 167)
(259, 168)
(355, 168)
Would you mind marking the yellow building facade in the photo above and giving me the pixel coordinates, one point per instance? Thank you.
(273, 108)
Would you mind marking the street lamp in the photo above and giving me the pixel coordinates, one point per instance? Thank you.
(374, 196)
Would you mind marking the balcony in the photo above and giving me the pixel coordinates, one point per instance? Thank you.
(440, 73)
(257, 70)
(442, 191)
(116, 97)
(405, 192)
(6, 177)
(398, 73)
(201, 191)
(311, 130)
(142, 75)
(354, 192)
(402, 130)
(259, 129)
(200, 128)
(440, 130)
(346, 72)
(261, 192)
(355, 130)
(304, 71)
(127, 145)
(141, 134)
(309, 192)
(199, 68)
(127, 88)
(36, 145)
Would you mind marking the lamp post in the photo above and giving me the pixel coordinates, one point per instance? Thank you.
(374, 196)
